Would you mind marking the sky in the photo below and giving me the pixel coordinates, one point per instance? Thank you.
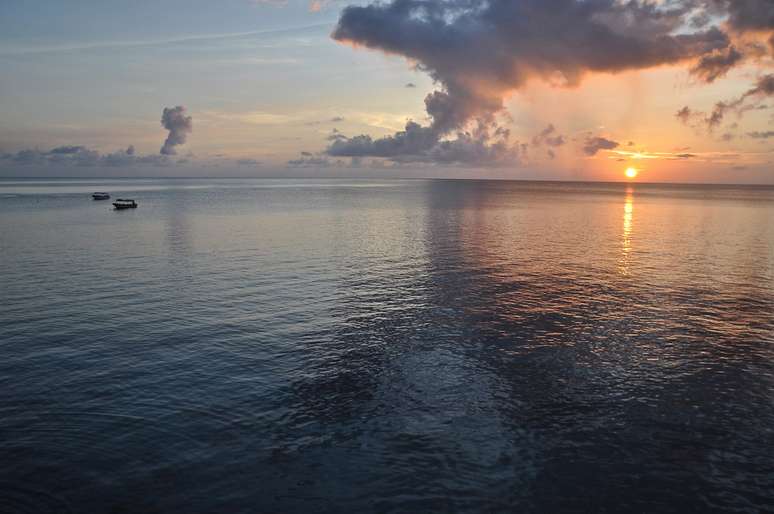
(677, 90)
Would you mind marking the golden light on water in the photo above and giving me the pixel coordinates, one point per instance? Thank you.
(626, 236)
(631, 172)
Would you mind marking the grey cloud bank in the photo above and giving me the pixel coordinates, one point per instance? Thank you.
(80, 156)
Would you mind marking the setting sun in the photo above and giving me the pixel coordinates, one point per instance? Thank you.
(631, 172)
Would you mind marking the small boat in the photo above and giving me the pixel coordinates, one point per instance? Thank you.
(122, 203)
(100, 196)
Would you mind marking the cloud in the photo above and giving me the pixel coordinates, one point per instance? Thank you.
(749, 14)
(761, 135)
(179, 126)
(410, 85)
(128, 158)
(481, 52)
(685, 115)
(763, 87)
(750, 20)
(717, 64)
(311, 161)
(67, 150)
(423, 144)
(81, 156)
(414, 140)
(471, 150)
(594, 144)
(334, 119)
(749, 100)
(548, 136)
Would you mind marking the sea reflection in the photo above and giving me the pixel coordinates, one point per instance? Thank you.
(626, 233)
(433, 346)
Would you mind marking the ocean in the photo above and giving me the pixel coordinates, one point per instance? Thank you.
(296, 346)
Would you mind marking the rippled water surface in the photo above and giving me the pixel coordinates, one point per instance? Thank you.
(385, 346)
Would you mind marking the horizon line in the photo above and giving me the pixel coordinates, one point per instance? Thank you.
(482, 179)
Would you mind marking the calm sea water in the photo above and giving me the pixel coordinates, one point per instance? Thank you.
(385, 346)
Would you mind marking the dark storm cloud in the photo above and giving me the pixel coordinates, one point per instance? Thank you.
(480, 52)
(594, 144)
(750, 14)
(738, 15)
(179, 126)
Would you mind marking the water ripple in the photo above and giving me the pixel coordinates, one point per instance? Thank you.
(386, 346)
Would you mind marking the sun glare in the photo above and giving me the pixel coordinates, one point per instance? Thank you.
(631, 172)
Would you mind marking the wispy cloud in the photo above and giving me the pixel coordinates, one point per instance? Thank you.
(705, 157)
(101, 45)
(749, 100)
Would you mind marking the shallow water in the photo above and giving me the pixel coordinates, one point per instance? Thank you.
(385, 346)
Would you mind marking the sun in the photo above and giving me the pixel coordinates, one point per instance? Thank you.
(631, 172)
